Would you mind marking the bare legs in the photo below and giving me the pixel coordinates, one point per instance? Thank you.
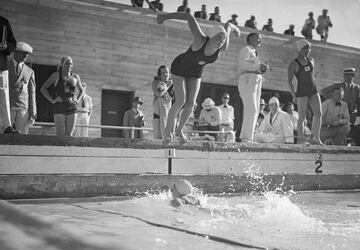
(186, 91)
(315, 105)
(65, 124)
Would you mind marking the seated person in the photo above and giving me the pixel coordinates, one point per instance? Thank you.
(335, 118)
(210, 117)
(183, 194)
(259, 121)
(276, 126)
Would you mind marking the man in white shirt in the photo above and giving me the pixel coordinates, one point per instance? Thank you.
(276, 126)
(227, 118)
(210, 117)
(249, 85)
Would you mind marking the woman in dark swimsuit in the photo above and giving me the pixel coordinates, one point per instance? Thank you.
(303, 69)
(64, 82)
(186, 69)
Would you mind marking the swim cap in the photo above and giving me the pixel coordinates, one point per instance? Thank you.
(184, 187)
(214, 30)
(301, 44)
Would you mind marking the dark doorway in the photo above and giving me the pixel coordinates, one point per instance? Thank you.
(215, 92)
(43, 106)
(113, 107)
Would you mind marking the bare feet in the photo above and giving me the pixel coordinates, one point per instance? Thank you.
(168, 139)
(182, 137)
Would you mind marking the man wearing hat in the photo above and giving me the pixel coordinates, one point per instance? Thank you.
(324, 23)
(22, 88)
(351, 97)
(134, 117)
(7, 46)
(302, 67)
(210, 117)
(276, 126)
(233, 19)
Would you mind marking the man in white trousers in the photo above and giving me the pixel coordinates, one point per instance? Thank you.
(249, 85)
(7, 46)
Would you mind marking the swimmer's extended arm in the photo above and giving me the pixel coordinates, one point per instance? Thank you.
(194, 26)
(229, 27)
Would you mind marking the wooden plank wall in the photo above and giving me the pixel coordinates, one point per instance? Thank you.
(118, 47)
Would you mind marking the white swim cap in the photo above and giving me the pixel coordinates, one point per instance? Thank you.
(301, 44)
(214, 30)
(184, 187)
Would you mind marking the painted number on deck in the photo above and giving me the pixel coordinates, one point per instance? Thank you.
(318, 164)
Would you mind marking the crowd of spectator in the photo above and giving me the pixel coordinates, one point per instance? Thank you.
(323, 21)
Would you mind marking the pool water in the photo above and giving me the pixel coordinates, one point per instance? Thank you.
(306, 220)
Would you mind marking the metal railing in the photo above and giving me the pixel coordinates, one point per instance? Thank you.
(132, 129)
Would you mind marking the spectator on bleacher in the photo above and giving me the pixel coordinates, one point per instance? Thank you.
(249, 84)
(336, 119)
(210, 117)
(156, 5)
(187, 68)
(302, 67)
(290, 31)
(64, 82)
(162, 88)
(7, 46)
(202, 13)
(184, 7)
(216, 15)
(227, 118)
(84, 108)
(251, 23)
(22, 88)
(233, 19)
(268, 26)
(324, 23)
(137, 3)
(258, 122)
(351, 97)
(308, 26)
(276, 126)
(134, 117)
(294, 116)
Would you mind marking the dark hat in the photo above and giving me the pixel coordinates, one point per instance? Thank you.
(324, 10)
(137, 99)
(349, 71)
(234, 15)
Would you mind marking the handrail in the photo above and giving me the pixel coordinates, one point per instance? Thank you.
(51, 124)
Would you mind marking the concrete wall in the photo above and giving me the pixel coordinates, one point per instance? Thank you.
(118, 47)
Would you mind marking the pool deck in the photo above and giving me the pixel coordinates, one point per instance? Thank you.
(49, 166)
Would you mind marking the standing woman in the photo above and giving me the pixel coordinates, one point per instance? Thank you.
(186, 69)
(306, 94)
(161, 86)
(64, 82)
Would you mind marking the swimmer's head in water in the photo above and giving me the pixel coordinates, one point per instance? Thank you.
(218, 34)
(181, 187)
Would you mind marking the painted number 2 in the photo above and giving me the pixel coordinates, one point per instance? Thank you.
(318, 164)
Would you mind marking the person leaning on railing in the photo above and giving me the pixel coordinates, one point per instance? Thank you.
(134, 117)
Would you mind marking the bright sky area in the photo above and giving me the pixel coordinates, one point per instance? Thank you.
(343, 14)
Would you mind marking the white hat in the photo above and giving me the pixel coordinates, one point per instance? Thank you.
(24, 47)
(302, 43)
(208, 103)
(183, 186)
(349, 71)
(274, 100)
(214, 30)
